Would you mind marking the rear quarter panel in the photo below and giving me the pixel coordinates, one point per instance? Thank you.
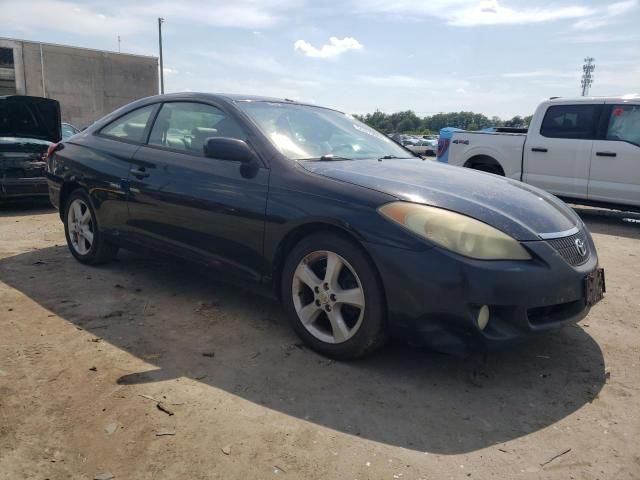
(101, 167)
(505, 148)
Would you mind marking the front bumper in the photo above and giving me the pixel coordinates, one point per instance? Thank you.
(433, 296)
(23, 187)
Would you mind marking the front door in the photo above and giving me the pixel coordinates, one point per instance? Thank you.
(558, 150)
(615, 163)
(208, 209)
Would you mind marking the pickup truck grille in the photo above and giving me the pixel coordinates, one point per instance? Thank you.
(567, 247)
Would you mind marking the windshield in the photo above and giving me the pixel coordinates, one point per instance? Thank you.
(302, 132)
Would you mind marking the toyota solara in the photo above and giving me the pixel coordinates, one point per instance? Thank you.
(358, 238)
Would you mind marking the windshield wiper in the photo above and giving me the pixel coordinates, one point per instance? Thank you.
(328, 158)
(389, 157)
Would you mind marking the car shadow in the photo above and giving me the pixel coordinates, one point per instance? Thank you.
(610, 222)
(182, 320)
(20, 207)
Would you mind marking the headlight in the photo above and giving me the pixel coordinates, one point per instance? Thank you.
(456, 232)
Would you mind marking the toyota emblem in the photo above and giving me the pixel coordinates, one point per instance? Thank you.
(581, 247)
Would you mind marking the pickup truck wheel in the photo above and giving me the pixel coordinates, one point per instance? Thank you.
(495, 169)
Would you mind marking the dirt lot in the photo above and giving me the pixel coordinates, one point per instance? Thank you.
(87, 353)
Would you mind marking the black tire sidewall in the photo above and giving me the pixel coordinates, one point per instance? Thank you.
(372, 331)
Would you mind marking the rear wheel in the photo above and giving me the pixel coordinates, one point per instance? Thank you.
(333, 297)
(84, 239)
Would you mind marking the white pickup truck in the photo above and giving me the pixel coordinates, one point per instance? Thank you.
(585, 150)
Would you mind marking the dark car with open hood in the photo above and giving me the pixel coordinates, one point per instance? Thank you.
(28, 127)
(359, 239)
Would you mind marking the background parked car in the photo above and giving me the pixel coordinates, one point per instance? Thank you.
(28, 127)
(424, 147)
(68, 130)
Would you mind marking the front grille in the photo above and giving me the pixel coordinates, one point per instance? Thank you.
(566, 246)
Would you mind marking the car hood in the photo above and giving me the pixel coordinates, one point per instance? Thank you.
(522, 211)
(30, 117)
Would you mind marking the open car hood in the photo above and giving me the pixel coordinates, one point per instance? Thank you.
(30, 117)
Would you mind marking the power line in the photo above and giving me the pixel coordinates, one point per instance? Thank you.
(587, 76)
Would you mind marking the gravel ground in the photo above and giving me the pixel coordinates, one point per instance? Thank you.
(152, 369)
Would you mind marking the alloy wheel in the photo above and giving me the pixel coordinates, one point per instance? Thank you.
(80, 225)
(328, 296)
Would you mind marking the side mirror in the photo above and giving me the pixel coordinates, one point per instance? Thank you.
(225, 148)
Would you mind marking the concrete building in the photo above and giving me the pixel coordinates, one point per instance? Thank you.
(87, 83)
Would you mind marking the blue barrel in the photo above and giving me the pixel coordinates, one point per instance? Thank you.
(443, 143)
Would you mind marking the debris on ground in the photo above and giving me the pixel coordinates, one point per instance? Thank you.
(206, 308)
(226, 449)
(555, 457)
(209, 354)
(110, 428)
(165, 433)
(94, 369)
(115, 313)
(161, 406)
(104, 476)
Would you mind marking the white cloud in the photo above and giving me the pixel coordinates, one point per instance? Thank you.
(601, 38)
(101, 19)
(540, 73)
(606, 15)
(64, 16)
(432, 84)
(335, 47)
(245, 60)
(469, 13)
(398, 81)
(169, 71)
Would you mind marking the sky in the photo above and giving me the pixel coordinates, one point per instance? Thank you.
(496, 57)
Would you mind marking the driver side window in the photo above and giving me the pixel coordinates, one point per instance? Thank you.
(185, 126)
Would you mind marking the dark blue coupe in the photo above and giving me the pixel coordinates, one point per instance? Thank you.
(359, 239)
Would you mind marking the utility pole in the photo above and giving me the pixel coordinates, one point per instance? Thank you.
(118, 43)
(587, 76)
(160, 20)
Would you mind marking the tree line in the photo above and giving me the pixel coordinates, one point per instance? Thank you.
(409, 122)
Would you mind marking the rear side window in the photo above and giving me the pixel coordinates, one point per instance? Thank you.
(571, 121)
(624, 124)
(130, 127)
(185, 126)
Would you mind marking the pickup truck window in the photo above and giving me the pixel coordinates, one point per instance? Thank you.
(624, 124)
(570, 121)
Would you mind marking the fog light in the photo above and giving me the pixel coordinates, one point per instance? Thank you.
(483, 317)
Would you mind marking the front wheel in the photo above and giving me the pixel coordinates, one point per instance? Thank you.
(333, 297)
(84, 239)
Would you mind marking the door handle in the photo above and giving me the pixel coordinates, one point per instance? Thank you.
(139, 172)
(606, 154)
(539, 150)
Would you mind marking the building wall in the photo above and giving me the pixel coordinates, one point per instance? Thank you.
(87, 83)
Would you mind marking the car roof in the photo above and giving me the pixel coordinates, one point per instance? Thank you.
(234, 98)
(592, 99)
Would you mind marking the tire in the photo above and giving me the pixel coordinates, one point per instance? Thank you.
(495, 169)
(334, 324)
(84, 239)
